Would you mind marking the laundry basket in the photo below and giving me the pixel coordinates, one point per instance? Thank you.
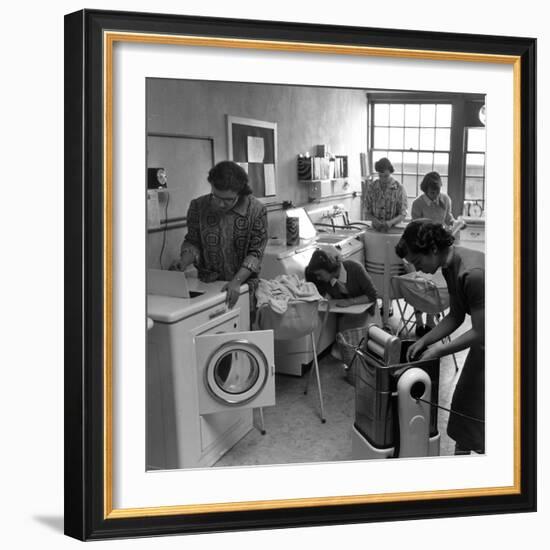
(300, 318)
(426, 293)
(348, 342)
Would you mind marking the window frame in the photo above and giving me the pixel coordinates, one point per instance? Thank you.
(458, 101)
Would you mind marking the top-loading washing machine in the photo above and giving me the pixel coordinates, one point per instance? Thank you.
(206, 371)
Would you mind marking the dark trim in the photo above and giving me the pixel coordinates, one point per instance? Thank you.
(75, 450)
(84, 275)
(410, 96)
(166, 227)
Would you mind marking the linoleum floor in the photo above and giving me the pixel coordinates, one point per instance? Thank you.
(294, 432)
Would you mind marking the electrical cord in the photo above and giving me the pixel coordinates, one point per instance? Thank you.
(450, 410)
(165, 230)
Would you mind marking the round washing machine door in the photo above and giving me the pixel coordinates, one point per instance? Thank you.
(236, 372)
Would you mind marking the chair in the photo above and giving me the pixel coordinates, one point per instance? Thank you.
(300, 319)
(423, 292)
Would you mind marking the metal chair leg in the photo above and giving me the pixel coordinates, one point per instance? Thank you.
(316, 366)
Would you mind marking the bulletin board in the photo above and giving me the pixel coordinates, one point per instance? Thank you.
(253, 145)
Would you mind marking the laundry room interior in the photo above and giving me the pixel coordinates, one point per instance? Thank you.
(274, 367)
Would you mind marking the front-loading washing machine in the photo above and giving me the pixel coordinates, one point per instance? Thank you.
(206, 372)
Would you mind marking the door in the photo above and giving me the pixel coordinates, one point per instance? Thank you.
(236, 371)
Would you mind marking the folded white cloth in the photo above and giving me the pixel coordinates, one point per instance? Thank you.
(283, 289)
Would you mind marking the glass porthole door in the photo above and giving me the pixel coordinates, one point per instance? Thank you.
(236, 370)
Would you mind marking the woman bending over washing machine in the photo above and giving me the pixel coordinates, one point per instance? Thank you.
(345, 283)
(429, 246)
(226, 232)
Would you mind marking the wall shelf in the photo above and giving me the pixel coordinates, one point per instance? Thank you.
(324, 180)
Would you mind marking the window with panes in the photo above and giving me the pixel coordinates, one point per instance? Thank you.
(474, 168)
(416, 137)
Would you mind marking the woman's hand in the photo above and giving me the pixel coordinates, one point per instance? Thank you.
(377, 224)
(176, 265)
(415, 350)
(233, 289)
(182, 263)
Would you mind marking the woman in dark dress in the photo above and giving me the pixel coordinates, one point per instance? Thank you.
(429, 246)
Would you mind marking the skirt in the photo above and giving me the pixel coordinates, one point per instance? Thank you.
(469, 399)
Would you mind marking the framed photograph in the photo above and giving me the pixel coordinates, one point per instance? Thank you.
(218, 378)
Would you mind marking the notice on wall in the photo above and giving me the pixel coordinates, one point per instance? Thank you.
(269, 178)
(256, 149)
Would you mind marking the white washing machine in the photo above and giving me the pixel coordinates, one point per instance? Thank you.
(292, 356)
(383, 263)
(206, 372)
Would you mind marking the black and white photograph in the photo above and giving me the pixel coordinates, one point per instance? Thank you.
(315, 274)
(300, 274)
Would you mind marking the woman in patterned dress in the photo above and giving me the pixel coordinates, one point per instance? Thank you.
(226, 232)
(386, 199)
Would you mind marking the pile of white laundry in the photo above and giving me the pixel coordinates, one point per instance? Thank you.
(278, 292)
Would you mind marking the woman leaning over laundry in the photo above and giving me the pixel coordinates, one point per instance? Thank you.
(429, 246)
(345, 283)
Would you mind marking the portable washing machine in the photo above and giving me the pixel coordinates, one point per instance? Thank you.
(293, 356)
(206, 371)
(390, 421)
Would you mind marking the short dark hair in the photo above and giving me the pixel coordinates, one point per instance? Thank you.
(421, 236)
(322, 260)
(383, 164)
(432, 180)
(229, 176)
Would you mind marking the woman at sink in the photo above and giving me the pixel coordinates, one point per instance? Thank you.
(345, 283)
(226, 233)
(386, 198)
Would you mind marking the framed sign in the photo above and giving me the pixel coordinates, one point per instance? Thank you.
(179, 71)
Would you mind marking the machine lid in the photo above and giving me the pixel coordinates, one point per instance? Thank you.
(282, 251)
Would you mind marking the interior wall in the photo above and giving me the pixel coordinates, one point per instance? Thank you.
(305, 116)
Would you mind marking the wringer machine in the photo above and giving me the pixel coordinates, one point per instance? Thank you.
(395, 400)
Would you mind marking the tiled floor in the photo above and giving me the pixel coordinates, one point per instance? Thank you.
(294, 429)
